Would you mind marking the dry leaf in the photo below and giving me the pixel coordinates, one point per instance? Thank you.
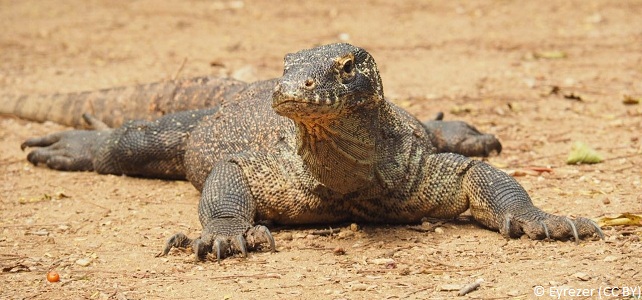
(549, 54)
(573, 96)
(630, 100)
(625, 219)
(461, 110)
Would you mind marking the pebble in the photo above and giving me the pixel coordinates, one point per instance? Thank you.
(41, 232)
(344, 37)
(383, 261)
(83, 262)
(582, 276)
(513, 293)
(610, 258)
(247, 73)
(439, 230)
(287, 236)
(339, 251)
(346, 234)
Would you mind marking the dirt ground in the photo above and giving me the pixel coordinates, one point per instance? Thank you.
(538, 75)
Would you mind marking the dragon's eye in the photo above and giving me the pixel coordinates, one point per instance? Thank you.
(348, 66)
(345, 69)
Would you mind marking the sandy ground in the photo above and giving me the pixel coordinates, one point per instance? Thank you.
(492, 63)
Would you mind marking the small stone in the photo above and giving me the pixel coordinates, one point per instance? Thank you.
(383, 261)
(610, 258)
(83, 262)
(513, 293)
(354, 227)
(439, 230)
(41, 232)
(606, 200)
(339, 251)
(345, 234)
(582, 276)
(344, 37)
(287, 236)
(358, 287)
(311, 237)
(247, 73)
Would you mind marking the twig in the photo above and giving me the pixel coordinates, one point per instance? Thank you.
(375, 271)
(540, 169)
(108, 210)
(180, 69)
(31, 225)
(256, 276)
(470, 287)
(13, 255)
(624, 168)
(325, 232)
(625, 156)
(315, 248)
(441, 263)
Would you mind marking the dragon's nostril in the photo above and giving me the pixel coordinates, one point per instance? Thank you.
(309, 83)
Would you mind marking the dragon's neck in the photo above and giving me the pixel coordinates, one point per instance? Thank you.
(341, 152)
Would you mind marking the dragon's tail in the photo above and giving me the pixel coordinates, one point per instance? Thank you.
(114, 106)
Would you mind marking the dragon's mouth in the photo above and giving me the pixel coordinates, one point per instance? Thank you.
(301, 102)
(284, 101)
(303, 109)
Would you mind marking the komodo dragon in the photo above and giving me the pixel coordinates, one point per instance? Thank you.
(318, 145)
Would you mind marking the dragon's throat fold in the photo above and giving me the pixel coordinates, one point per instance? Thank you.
(340, 155)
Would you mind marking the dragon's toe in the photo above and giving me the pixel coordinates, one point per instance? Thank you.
(223, 240)
(547, 226)
(179, 240)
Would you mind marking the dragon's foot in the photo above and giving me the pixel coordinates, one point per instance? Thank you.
(462, 138)
(65, 151)
(540, 225)
(230, 238)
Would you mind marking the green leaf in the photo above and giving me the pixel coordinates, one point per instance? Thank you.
(581, 153)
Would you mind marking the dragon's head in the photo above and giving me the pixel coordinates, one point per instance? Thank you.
(327, 82)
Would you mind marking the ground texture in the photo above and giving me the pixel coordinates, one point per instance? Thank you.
(541, 76)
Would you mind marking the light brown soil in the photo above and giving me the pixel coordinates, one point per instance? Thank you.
(494, 63)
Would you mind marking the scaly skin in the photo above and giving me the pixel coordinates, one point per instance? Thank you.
(147, 102)
(322, 146)
(115, 106)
